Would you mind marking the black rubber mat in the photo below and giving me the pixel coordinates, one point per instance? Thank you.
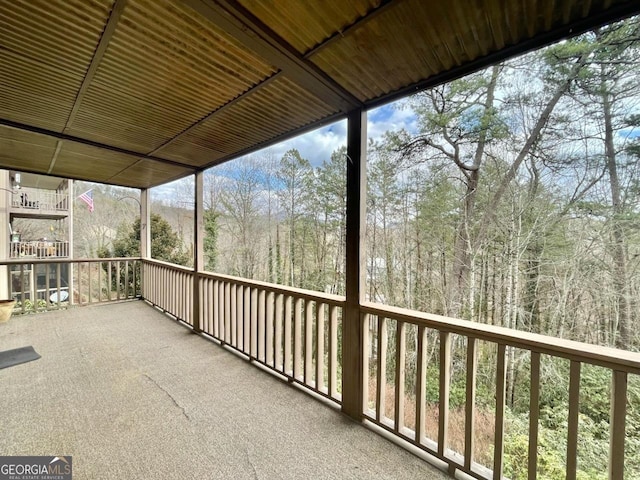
(9, 358)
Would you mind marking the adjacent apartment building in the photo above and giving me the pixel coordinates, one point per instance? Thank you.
(36, 222)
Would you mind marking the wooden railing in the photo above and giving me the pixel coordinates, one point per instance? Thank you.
(39, 199)
(40, 285)
(389, 324)
(106, 280)
(169, 287)
(297, 333)
(291, 331)
(39, 249)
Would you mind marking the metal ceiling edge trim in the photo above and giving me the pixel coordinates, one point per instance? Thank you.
(358, 23)
(219, 110)
(70, 177)
(105, 39)
(240, 24)
(90, 143)
(573, 29)
(280, 138)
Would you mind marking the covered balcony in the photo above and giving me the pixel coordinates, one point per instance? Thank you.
(128, 393)
(120, 363)
(139, 93)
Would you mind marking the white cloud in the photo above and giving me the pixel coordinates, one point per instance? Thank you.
(317, 145)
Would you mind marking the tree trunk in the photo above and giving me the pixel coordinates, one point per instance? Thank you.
(619, 247)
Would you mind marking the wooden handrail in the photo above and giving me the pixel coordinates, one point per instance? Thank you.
(611, 358)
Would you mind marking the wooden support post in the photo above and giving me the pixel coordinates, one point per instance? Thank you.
(145, 223)
(353, 349)
(198, 249)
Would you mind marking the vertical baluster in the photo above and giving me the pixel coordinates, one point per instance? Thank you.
(221, 322)
(118, 278)
(366, 342)
(470, 402)
(381, 368)
(227, 312)
(169, 292)
(100, 282)
(247, 320)
(47, 293)
(401, 352)
(89, 282)
(254, 323)
(320, 346)
(166, 291)
(445, 381)
(572, 428)
(501, 381)
(177, 293)
(22, 293)
(297, 338)
(233, 314)
(534, 415)
(240, 317)
(184, 291)
(190, 288)
(204, 303)
(164, 295)
(618, 422)
(210, 299)
(131, 282)
(287, 363)
(268, 338)
(216, 309)
(421, 384)
(58, 275)
(277, 338)
(308, 341)
(185, 296)
(261, 324)
(110, 281)
(333, 351)
(156, 282)
(126, 279)
(80, 289)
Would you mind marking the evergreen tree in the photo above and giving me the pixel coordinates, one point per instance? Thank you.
(165, 243)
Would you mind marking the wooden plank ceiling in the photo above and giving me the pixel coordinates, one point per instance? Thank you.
(142, 92)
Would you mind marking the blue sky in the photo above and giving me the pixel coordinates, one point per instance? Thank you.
(317, 146)
(630, 133)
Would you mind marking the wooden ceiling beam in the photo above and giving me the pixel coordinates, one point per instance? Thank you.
(90, 143)
(218, 111)
(236, 21)
(107, 34)
(359, 23)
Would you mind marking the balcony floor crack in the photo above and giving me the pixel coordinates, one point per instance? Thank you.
(255, 472)
(184, 412)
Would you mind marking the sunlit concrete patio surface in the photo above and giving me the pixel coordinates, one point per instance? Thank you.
(130, 393)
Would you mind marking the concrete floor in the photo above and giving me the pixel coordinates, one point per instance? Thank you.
(131, 394)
